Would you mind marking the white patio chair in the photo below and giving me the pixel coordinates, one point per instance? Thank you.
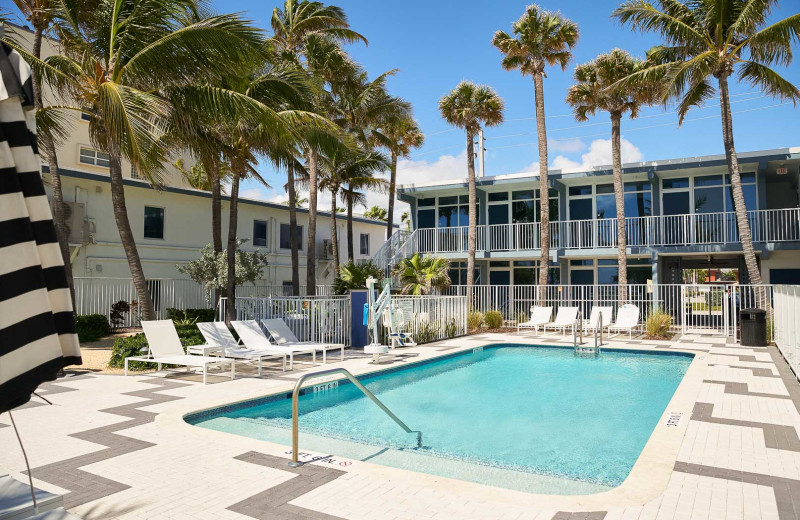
(164, 348)
(627, 320)
(590, 325)
(565, 319)
(217, 335)
(540, 316)
(252, 337)
(280, 332)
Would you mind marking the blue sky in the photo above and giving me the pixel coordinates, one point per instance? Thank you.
(437, 44)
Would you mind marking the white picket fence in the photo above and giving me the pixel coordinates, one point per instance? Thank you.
(431, 318)
(786, 326)
(311, 318)
(96, 295)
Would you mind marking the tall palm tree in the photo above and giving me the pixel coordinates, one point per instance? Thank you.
(340, 167)
(470, 106)
(40, 14)
(120, 60)
(540, 38)
(377, 213)
(401, 136)
(422, 275)
(716, 38)
(353, 195)
(309, 35)
(591, 93)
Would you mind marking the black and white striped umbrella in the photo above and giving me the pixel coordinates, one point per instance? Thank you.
(37, 328)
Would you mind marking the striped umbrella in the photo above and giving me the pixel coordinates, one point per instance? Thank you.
(37, 327)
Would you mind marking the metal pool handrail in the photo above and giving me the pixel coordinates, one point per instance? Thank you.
(577, 328)
(598, 330)
(295, 415)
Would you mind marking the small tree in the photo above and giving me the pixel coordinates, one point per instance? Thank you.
(354, 276)
(420, 275)
(211, 269)
(377, 213)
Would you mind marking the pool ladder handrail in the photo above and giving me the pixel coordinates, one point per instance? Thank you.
(598, 330)
(577, 329)
(294, 463)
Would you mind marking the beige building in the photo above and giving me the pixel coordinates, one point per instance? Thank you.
(173, 223)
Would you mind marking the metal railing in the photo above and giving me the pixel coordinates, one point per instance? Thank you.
(294, 463)
(431, 317)
(786, 324)
(768, 225)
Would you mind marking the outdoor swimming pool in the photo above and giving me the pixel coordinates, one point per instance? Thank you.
(538, 419)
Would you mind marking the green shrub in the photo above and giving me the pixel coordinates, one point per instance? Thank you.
(426, 333)
(91, 327)
(137, 346)
(117, 314)
(474, 320)
(658, 324)
(188, 315)
(493, 319)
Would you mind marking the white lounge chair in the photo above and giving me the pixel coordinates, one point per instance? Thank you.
(217, 335)
(252, 337)
(627, 320)
(283, 336)
(164, 348)
(566, 317)
(590, 325)
(540, 316)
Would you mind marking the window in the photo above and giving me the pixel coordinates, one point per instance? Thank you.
(93, 157)
(153, 222)
(286, 237)
(426, 218)
(288, 289)
(259, 233)
(426, 203)
(135, 174)
(458, 274)
(364, 244)
(85, 116)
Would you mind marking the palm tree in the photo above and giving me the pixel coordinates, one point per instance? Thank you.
(340, 167)
(401, 135)
(541, 38)
(423, 275)
(716, 38)
(406, 218)
(377, 213)
(309, 35)
(40, 14)
(121, 59)
(469, 106)
(592, 92)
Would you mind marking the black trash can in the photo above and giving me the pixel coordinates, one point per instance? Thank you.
(754, 327)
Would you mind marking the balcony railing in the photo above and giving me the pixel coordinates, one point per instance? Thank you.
(773, 225)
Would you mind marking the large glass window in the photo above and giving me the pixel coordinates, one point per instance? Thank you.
(153, 222)
(454, 211)
(286, 237)
(458, 274)
(426, 218)
(259, 233)
(364, 244)
(93, 157)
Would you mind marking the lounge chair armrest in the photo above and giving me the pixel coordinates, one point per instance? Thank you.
(202, 350)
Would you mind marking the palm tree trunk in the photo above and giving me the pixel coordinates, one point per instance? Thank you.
(473, 216)
(334, 235)
(619, 197)
(233, 211)
(126, 237)
(48, 151)
(311, 249)
(392, 187)
(544, 186)
(295, 243)
(740, 209)
(350, 255)
(212, 167)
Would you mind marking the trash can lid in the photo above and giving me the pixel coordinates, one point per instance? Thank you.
(752, 311)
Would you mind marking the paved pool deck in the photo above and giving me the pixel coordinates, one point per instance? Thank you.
(117, 447)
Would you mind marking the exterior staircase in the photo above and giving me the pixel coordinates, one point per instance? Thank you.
(400, 245)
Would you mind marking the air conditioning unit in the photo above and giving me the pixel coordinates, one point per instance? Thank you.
(77, 226)
(326, 253)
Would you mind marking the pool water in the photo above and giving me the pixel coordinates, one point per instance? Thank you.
(534, 418)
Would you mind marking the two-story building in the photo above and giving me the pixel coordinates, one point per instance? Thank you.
(678, 212)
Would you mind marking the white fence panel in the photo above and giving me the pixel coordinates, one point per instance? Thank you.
(786, 326)
(431, 318)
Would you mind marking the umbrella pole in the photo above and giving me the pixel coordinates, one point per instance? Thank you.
(25, 456)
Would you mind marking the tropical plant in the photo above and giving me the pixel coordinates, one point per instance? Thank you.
(420, 275)
(658, 325)
(400, 136)
(474, 320)
(593, 92)
(716, 38)
(406, 219)
(118, 311)
(493, 319)
(211, 269)
(121, 61)
(469, 106)
(540, 38)
(40, 14)
(377, 213)
(353, 275)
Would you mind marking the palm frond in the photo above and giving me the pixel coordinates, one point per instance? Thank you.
(768, 81)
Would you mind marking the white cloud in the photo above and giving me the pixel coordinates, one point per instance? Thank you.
(564, 163)
(573, 145)
(599, 154)
(254, 193)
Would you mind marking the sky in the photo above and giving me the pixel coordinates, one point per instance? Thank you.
(436, 44)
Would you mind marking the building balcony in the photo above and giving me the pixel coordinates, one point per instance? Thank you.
(767, 226)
